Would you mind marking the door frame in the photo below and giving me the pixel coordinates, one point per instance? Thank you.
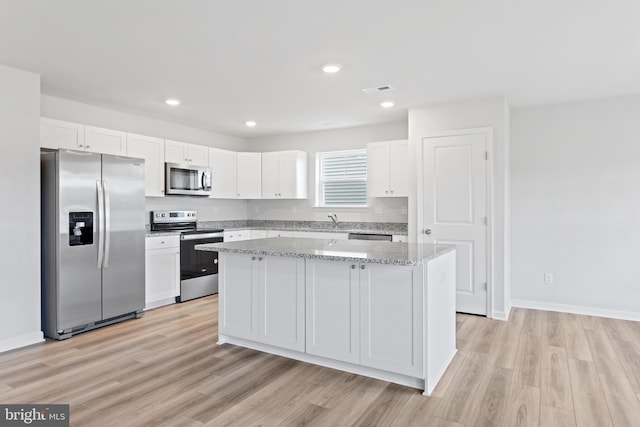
(488, 132)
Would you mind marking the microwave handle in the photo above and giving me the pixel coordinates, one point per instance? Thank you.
(206, 180)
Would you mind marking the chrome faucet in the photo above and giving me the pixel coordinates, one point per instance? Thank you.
(334, 218)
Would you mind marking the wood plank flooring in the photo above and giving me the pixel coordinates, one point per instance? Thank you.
(538, 369)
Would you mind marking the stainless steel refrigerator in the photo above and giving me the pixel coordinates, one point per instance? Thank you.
(93, 231)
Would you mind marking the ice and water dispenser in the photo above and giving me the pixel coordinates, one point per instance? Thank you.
(80, 228)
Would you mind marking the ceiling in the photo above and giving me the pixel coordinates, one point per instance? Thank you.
(233, 61)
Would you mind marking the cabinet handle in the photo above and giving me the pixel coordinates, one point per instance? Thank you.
(427, 231)
(87, 146)
(391, 191)
(162, 243)
(386, 191)
(353, 267)
(253, 258)
(362, 267)
(260, 259)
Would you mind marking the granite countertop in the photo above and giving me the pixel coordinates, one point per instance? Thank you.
(309, 226)
(334, 250)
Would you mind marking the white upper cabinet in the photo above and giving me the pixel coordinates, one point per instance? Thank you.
(105, 141)
(387, 172)
(249, 175)
(185, 153)
(58, 134)
(223, 173)
(284, 175)
(152, 151)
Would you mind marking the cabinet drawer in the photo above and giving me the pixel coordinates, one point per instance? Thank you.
(162, 242)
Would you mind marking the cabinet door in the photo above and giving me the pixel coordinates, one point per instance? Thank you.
(197, 155)
(398, 168)
(223, 173)
(280, 233)
(332, 309)
(249, 178)
(152, 151)
(281, 297)
(238, 308)
(391, 318)
(175, 152)
(58, 134)
(162, 270)
(258, 234)
(378, 169)
(105, 141)
(270, 176)
(292, 174)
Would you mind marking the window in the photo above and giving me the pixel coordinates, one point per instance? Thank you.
(342, 178)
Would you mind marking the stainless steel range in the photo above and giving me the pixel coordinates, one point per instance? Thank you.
(198, 269)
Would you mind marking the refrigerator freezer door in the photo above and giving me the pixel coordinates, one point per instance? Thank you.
(123, 269)
(79, 292)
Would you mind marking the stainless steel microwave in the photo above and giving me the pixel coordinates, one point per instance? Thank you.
(187, 180)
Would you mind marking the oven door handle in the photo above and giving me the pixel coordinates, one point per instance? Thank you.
(201, 236)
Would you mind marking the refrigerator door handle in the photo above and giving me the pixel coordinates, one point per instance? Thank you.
(100, 223)
(107, 224)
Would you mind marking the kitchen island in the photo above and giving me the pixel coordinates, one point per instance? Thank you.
(379, 309)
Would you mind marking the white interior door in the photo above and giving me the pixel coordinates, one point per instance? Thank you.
(455, 210)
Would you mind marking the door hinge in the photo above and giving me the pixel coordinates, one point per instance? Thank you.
(486, 155)
(486, 221)
(484, 286)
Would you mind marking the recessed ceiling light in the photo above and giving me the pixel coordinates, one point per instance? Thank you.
(250, 123)
(172, 101)
(387, 104)
(331, 68)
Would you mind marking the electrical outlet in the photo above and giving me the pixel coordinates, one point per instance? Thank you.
(404, 210)
(379, 210)
(256, 209)
(548, 278)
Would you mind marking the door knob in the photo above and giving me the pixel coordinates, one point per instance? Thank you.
(427, 231)
(215, 261)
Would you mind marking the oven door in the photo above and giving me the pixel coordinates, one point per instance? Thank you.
(187, 180)
(195, 263)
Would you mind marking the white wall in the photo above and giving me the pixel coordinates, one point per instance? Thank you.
(20, 193)
(208, 209)
(576, 206)
(393, 209)
(490, 112)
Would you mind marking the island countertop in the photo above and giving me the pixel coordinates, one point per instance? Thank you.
(334, 250)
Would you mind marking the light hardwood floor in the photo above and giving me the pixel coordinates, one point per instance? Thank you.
(539, 368)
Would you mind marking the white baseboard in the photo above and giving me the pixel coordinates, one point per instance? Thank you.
(501, 315)
(576, 309)
(23, 340)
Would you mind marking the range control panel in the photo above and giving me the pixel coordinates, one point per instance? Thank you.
(168, 217)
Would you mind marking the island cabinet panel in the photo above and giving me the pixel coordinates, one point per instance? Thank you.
(240, 278)
(332, 310)
(391, 318)
(281, 303)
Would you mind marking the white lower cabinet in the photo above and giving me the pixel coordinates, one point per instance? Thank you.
(162, 270)
(236, 235)
(332, 310)
(362, 313)
(391, 318)
(280, 233)
(258, 234)
(262, 299)
(281, 303)
(239, 277)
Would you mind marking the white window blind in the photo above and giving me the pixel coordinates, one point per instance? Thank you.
(342, 178)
